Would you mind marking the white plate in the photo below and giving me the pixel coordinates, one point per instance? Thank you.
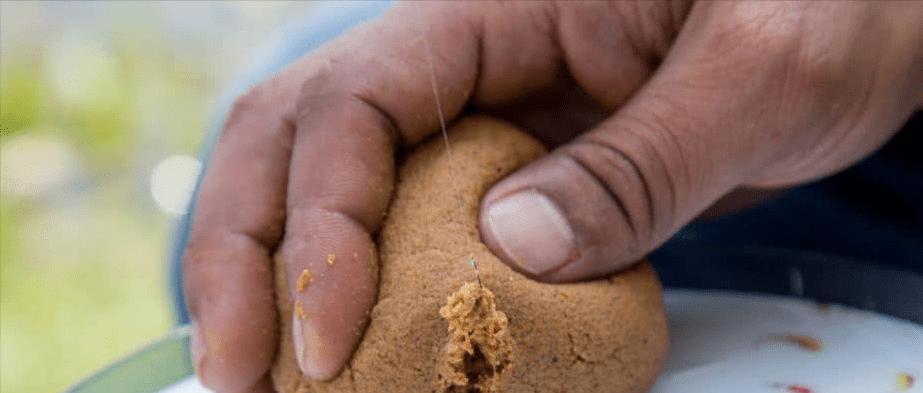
(733, 343)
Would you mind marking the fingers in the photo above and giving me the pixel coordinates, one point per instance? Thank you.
(341, 179)
(362, 96)
(238, 220)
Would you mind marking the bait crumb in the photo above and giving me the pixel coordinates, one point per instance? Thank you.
(304, 279)
(331, 258)
(299, 311)
(809, 343)
(480, 350)
(904, 381)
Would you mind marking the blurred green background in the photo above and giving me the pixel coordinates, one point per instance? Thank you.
(102, 110)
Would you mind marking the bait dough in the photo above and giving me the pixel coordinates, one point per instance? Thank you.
(434, 329)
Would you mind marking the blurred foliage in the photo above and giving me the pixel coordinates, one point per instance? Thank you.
(77, 292)
(20, 97)
(83, 278)
(92, 97)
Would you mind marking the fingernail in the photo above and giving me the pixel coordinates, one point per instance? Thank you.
(299, 335)
(198, 349)
(532, 231)
(310, 352)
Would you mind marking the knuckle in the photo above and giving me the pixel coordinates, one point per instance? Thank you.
(619, 174)
(654, 134)
(321, 86)
(328, 88)
(654, 164)
(255, 99)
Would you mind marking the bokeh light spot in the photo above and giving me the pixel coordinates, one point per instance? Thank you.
(172, 182)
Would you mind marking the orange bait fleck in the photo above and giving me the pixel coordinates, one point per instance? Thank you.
(808, 343)
(331, 258)
(304, 279)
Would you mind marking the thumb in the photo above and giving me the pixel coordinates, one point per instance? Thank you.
(598, 204)
(724, 107)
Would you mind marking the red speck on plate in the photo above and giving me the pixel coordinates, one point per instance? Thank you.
(798, 389)
(793, 388)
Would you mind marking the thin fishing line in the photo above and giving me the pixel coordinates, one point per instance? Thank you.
(445, 135)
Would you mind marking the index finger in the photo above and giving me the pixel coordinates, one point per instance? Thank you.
(237, 222)
(363, 94)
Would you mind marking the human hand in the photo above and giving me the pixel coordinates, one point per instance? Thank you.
(659, 110)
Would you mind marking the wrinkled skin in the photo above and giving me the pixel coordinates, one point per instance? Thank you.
(657, 112)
